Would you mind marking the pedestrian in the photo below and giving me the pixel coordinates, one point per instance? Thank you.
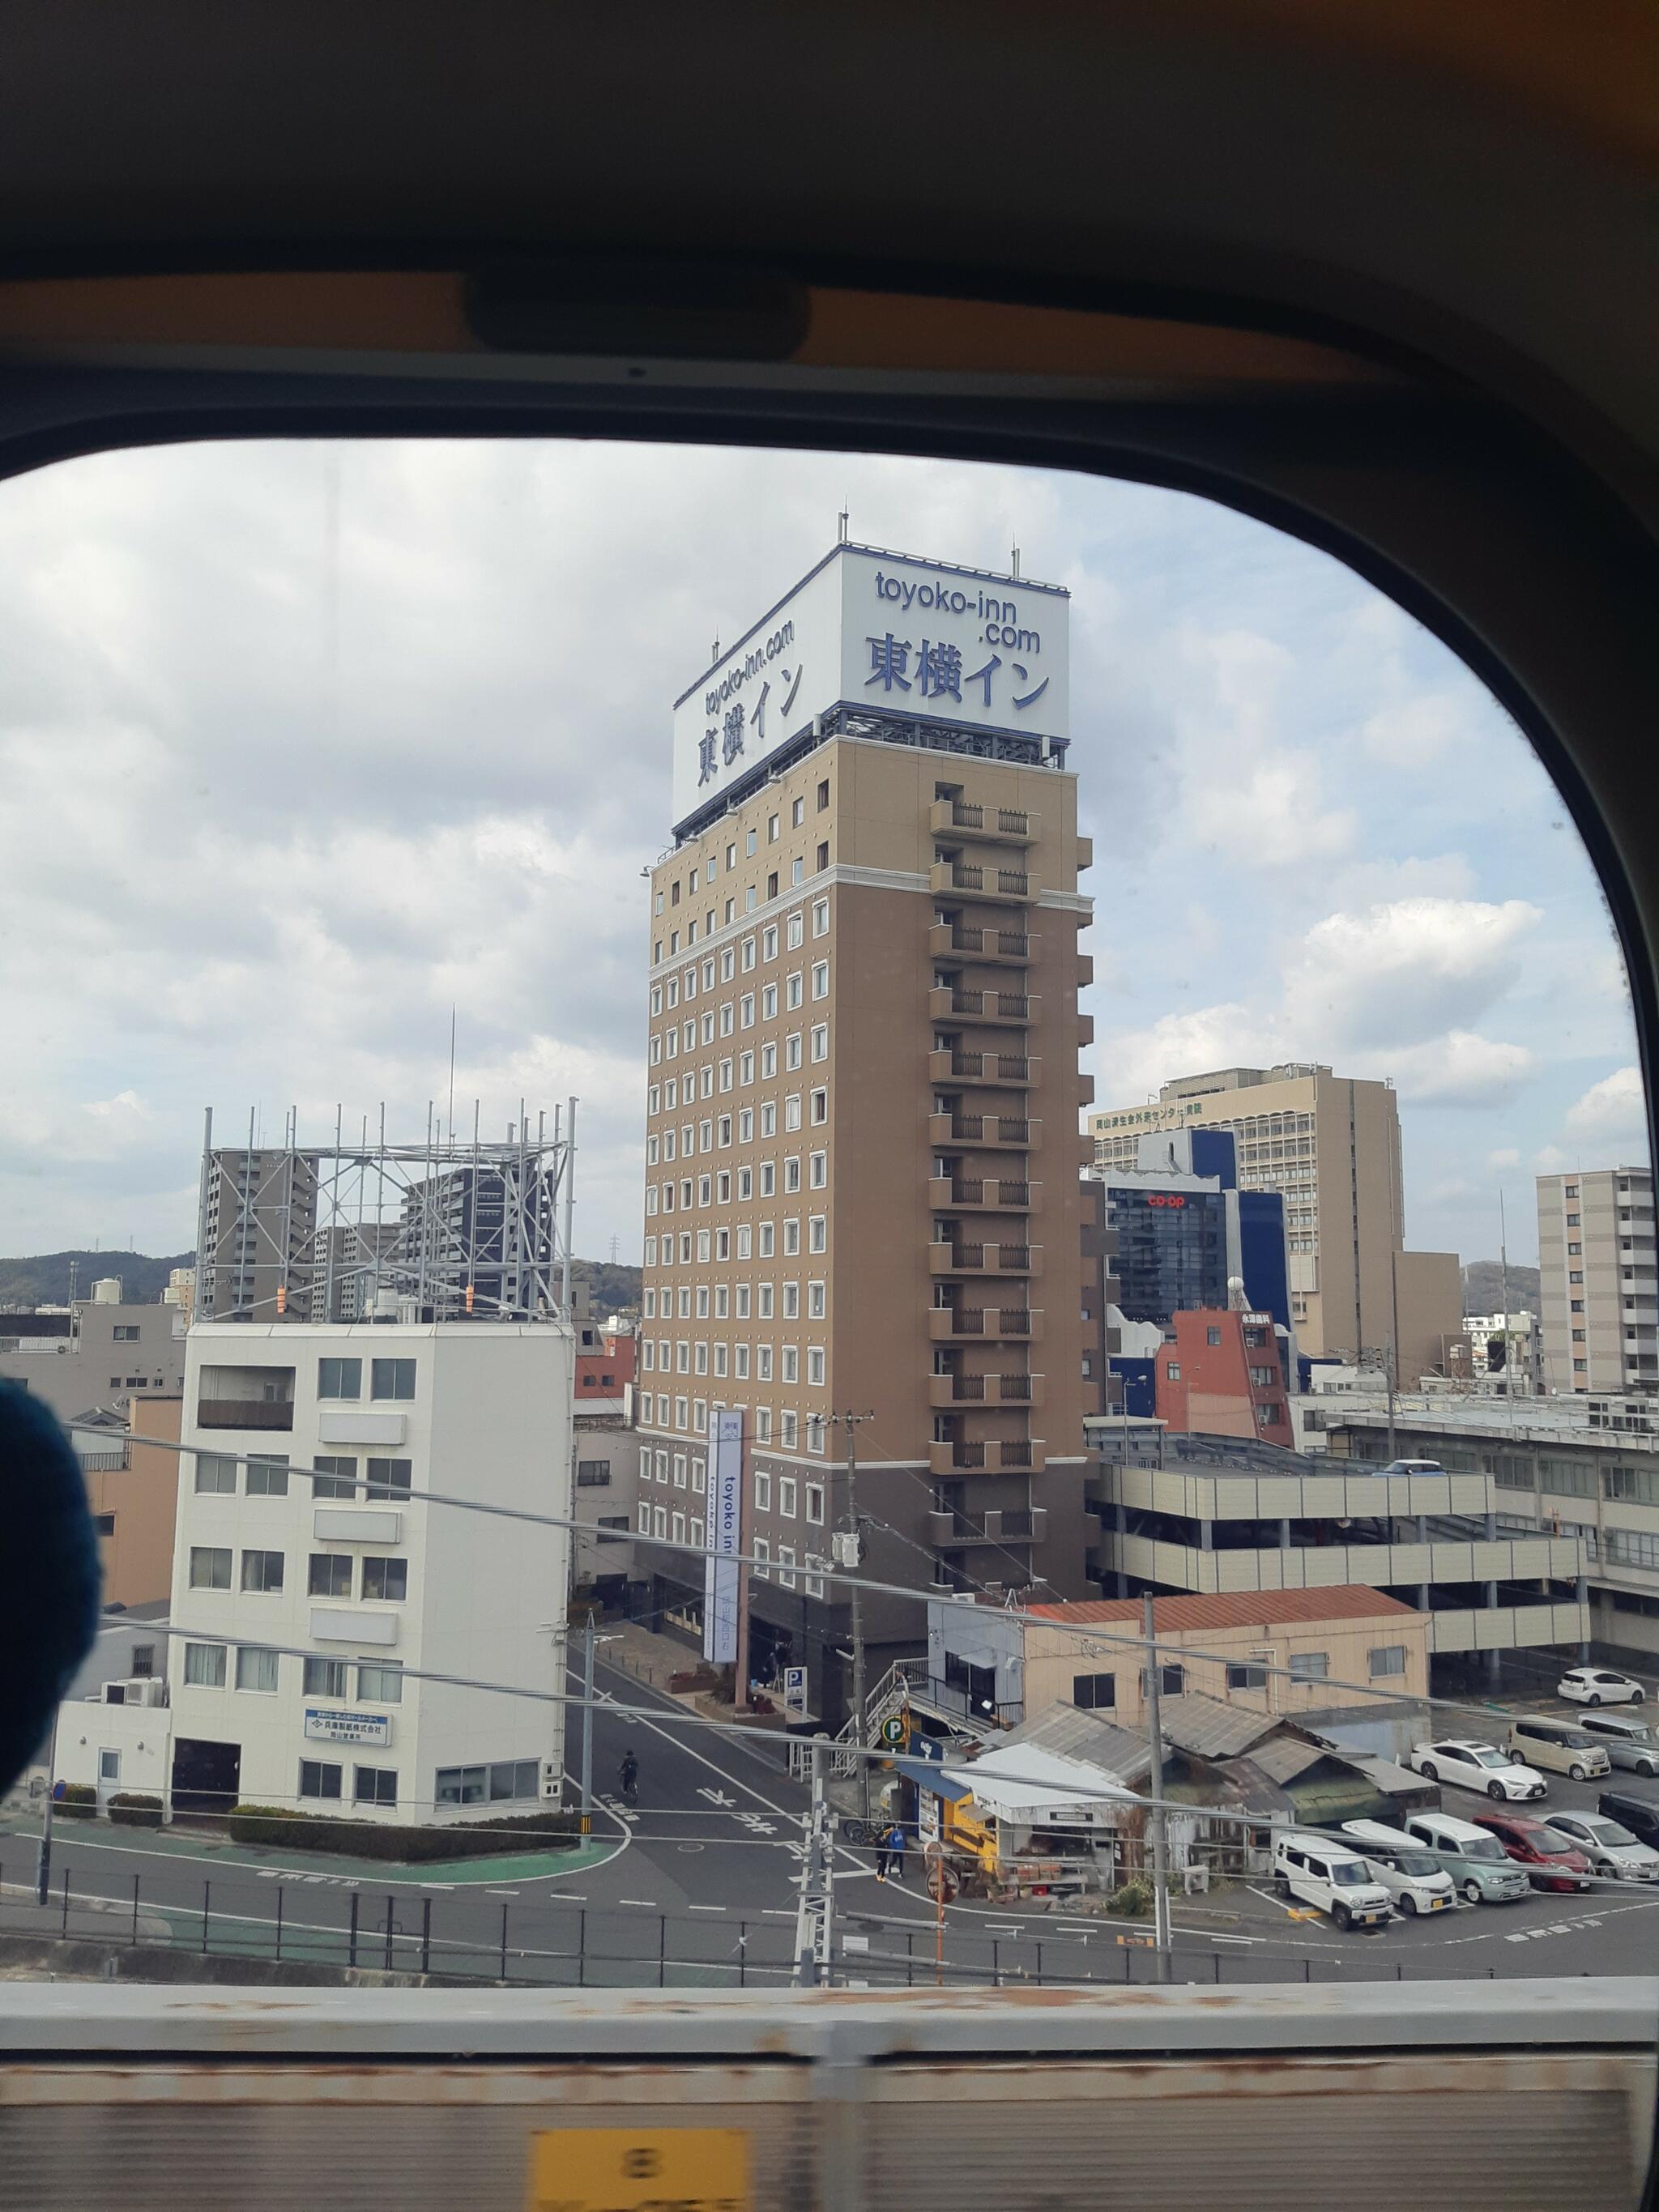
(881, 1855)
(894, 1853)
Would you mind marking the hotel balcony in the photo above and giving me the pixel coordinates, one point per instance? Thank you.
(956, 943)
(964, 1259)
(974, 1194)
(984, 1324)
(986, 1133)
(972, 1391)
(988, 1455)
(988, 825)
(964, 880)
(999, 1009)
(1009, 1071)
(1022, 1524)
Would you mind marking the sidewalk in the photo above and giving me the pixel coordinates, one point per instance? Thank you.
(640, 1651)
(209, 1851)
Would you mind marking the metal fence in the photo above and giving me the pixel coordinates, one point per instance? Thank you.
(333, 1923)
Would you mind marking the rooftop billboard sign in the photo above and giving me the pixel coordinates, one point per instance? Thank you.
(887, 633)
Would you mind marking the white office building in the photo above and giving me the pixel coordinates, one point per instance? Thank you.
(369, 1583)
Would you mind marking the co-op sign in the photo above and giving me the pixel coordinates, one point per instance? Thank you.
(916, 639)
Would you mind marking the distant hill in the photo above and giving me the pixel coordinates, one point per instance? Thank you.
(1483, 1287)
(43, 1279)
(611, 1288)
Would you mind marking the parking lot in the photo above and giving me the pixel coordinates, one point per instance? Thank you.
(1611, 1928)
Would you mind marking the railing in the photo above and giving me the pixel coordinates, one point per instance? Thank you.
(1013, 1067)
(1006, 944)
(1005, 1128)
(1014, 1452)
(967, 1386)
(967, 814)
(1013, 1388)
(244, 1413)
(1006, 1005)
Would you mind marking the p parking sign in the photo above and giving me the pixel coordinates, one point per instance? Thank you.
(896, 1729)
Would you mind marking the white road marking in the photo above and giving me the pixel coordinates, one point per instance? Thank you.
(648, 1903)
(705, 1908)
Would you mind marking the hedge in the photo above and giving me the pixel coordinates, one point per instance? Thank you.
(78, 1802)
(275, 1826)
(130, 1809)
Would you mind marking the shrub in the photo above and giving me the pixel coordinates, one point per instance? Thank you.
(78, 1802)
(129, 1809)
(1134, 1901)
(282, 1830)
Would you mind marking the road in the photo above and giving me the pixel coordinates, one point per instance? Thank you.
(697, 1886)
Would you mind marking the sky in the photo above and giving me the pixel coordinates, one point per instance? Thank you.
(303, 745)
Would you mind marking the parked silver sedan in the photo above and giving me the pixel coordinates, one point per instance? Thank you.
(1610, 1849)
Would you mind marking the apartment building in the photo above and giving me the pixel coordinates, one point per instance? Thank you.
(346, 1564)
(1330, 1145)
(862, 1148)
(1598, 1271)
(256, 1250)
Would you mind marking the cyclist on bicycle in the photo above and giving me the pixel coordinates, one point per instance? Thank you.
(629, 1772)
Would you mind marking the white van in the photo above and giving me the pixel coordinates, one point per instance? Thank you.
(1331, 1875)
(1412, 1875)
(1538, 1740)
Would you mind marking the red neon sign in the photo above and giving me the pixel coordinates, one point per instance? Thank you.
(1165, 1197)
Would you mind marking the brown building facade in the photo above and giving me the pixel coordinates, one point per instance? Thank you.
(862, 1172)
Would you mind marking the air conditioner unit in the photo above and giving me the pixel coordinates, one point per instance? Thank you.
(147, 1690)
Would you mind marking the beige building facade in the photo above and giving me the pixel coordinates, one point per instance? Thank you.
(1330, 1145)
(1598, 1272)
(862, 1179)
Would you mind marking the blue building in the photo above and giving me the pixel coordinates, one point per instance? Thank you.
(1186, 1231)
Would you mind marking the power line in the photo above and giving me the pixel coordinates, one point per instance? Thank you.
(1090, 1635)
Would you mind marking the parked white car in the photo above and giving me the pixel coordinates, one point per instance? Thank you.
(1331, 1876)
(1599, 1685)
(1413, 1877)
(1609, 1848)
(1499, 1774)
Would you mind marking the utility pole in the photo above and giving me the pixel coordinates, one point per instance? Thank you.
(859, 1727)
(815, 1913)
(587, 1728)
(1159, 1818)
(1387, 1371)
(43, 1863)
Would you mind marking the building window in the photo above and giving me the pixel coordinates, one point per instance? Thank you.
(1171, 1681)
(1172, 1371)
(144, 1659)
(374, 1785)
(255, 1669)
(1242, 1676)
(330, 1574)
(215, 1476)
(125, 1333)
(320, 1778)
(818, 1233)
(204, 1666)
(386, 1579)
(335, 1477)
(324, 1678)
(787, 1497)
(1094, 1692)
(388, 1477)
(1387, 1659)
(340, 1378)
(1309, 1666)
(593, 1474)
(822, 861)
(210, 1567)
(392, 1379)
(1212, 1336)
(268, 1477)
(261, 1570)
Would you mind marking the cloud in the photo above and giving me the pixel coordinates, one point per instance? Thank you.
(1549, 1159)
(1507, 1157)
(1612, 1111)
(1412, 733)
(1398, 972)
(125, 1104)
(1460, 1069)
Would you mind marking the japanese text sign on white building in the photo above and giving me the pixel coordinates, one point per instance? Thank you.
(720, 1583)
(918, 640)
(323, 1726)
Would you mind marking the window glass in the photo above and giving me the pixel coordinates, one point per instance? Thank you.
(340, 1378)
(204, 1666)
(215, 1476)
(393, 1379)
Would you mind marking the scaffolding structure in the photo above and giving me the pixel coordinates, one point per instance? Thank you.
(450, 1228)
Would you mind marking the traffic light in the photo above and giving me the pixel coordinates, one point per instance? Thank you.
(282, 1298)
(469, 1298)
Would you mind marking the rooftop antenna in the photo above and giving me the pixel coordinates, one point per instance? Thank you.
(452, 1073)
(1013, 556)
(715, 650)
(841, 522)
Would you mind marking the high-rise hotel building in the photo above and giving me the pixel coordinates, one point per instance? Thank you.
(863, 1137)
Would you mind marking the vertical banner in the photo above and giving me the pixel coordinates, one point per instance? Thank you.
(720, 1585)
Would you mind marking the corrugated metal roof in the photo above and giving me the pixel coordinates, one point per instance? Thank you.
(1284, 1758)
(1172, 1616)
(1076, 1735)
(1212, 1728)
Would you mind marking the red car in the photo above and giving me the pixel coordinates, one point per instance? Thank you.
(1550, 1859)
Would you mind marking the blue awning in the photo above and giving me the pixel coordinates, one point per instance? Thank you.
(925, 1774)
